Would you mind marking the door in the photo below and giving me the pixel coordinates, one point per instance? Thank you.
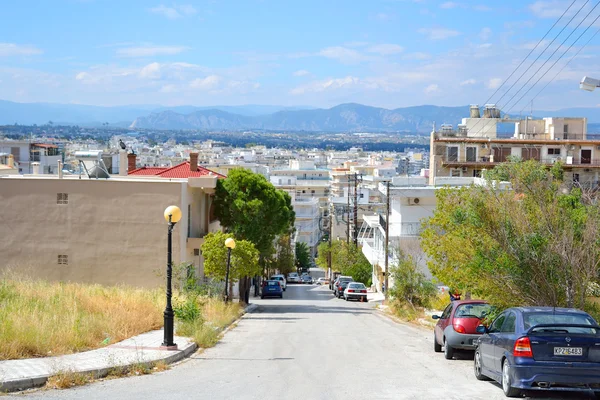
(452, 153)
(442, 324)
(505, 339)
(471, 154)
(586, 156)
(488, 345)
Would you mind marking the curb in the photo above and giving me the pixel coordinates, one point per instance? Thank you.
(38, 381)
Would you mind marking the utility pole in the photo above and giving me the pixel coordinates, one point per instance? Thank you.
(355, 236)
(329, 258)
(387, 240)
(348, 212)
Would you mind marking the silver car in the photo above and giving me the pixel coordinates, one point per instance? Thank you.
(356, 290)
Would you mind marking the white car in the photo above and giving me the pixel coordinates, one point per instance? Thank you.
(293, 278)
(322, 281)
(356, 290)
(281, 279)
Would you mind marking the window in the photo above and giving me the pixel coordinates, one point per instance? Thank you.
(312, 191)
(196, 252)
(509, 323)
(452, 153)
(447, 312)
(280, 181)
(289, 181)
(554, 151)
(62, 198)
(566, 131)
(497, 324)
(477, 173)
(471, 154)
(189, 221)
(63, 259)
(455, 172)
(362, 195)
(304, 191)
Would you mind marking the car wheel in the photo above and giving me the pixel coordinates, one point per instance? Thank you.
(477, 367)
(262, 297)
(448, 351)
(507, 388)
(281, 296)
(347, 298)
(436, 346)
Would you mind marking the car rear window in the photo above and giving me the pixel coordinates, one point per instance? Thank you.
(345, 279)
(356, 286)
(273, 283)
(472, 310)
(539, 318)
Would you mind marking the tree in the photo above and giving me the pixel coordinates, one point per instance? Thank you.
(347, 259)
(251, 208)
(284, 257)
(410, 284)
(534, 242)
(244, 258)
(302, 256)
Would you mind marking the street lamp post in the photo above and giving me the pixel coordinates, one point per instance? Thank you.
(172, 215)
(230, 244)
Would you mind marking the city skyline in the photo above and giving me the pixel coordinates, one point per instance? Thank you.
(385, 54)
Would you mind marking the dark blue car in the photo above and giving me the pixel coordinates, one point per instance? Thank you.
(540, 348)
(271, 289)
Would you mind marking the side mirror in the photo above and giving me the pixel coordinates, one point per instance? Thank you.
(481, 329)
(435, 316)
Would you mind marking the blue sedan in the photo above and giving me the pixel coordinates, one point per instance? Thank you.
(540, 348)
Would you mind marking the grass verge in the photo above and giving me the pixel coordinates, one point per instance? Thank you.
(41, 318)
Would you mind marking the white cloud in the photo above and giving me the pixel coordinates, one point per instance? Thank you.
(82, 76)
(485, 34)
(485, 45)
(439, 33)
(209, 83)
(151, 71)
(548, 9)
(11, 49)
(468, 82)
(449, 4)
(177, 11)
(150, 51)
(494, 83)
(342, 54)
(385, 49)
(417, 56)
(384, 17)
(301, 72)
(483, 8)
(326, 85)
(433, 88)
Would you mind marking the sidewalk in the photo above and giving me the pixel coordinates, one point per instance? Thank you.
(142, 349)
(375, 296)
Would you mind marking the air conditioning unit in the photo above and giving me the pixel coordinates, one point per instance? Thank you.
(413, 201)
(597, 147)
(465, 169)
(587, 170)
(484, 146)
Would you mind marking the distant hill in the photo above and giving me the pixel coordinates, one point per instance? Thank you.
(342, 118)
(349, 117)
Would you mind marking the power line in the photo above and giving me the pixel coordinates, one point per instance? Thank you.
(564, 66)
(538, 57)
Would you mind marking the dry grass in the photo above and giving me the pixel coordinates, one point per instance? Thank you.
(68, 379)
(440, 301)
(41, 318)
(216, 316)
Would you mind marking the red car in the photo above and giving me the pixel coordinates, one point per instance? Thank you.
(456, 328)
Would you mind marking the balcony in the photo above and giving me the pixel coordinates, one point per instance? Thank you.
(483, 162)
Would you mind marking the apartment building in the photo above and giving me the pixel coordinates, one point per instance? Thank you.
(107, 231)
(27, 155)
(474, 146)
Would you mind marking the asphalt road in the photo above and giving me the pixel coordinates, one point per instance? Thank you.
(309, 345)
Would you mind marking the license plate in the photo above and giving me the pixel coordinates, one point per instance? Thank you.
(568, 351)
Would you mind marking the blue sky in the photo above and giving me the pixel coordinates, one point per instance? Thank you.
(389, 53)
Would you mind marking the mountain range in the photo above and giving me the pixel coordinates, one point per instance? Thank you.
(348, 117)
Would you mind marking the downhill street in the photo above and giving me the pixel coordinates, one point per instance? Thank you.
(309, 345)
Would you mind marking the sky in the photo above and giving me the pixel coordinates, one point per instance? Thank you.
(385, 53)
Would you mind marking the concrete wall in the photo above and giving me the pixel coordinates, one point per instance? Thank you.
(111, 231)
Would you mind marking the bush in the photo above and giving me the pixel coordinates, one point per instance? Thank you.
(410, 285)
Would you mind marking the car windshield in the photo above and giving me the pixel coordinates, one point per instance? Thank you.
(556, 319)
(472, 310)
(356, 286)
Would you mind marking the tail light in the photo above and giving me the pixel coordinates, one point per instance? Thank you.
(350, 290)
(459, 328)
(363, 291)
(522, 348)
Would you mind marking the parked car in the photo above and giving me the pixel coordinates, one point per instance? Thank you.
(540, 348)
(334, 277)
(281, 280)
(307, 279)
(322, 281)
(356, 290)
(340, 285)
(293, 278)
(271, 288)
(456, 328)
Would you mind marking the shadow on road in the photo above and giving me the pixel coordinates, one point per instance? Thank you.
(279, 308)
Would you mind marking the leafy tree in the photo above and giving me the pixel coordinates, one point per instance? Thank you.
(410, 285)
(284, 257)
(251, 208)
(535, 242)
(347, 259)
(302, 255)
(244, 257)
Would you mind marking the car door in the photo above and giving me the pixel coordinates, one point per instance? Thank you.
(505, 339)
(442, 323)
(488, 345)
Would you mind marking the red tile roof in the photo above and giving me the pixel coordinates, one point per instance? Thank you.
(179, 171)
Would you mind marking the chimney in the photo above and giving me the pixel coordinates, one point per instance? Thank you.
(60, 168)
(194, 162)
(131, 162)
(11, 161)
(122, 162)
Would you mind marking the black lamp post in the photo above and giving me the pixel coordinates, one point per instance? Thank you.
(172, 215)
(230, 244)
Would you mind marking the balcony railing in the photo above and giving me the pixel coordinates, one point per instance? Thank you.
(483, 161)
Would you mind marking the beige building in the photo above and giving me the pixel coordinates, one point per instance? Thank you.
(106, 231)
